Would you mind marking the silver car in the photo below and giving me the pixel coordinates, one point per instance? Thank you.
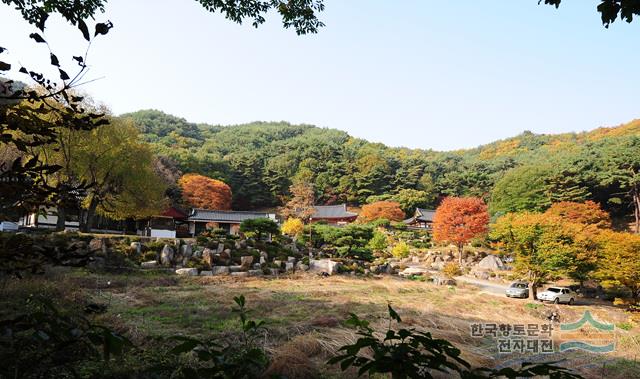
(558, 295)
(518, 289)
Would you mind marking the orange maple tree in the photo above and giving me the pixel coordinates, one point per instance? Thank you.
(589, 213)
(460, 219)
(381, 209)
(203, 192)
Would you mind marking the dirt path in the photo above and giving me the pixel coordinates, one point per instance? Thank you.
(486, 286)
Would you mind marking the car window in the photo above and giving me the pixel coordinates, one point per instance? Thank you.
(554, 289)
(521, 285)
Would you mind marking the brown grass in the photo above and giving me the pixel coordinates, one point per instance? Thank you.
(305, 313)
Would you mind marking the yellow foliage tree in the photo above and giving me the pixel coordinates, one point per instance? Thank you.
(292, 227)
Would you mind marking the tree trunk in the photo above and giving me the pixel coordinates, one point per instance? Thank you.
(90, 216)
(62, 218)
(534, 291)
(460, 248)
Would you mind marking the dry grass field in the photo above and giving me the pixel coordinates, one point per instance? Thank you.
(305, 314)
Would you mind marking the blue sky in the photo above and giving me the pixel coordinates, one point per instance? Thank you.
(417, 73)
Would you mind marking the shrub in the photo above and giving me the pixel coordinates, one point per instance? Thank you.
(379, 242)
(400, 250)
(259, 227)
(292, 227)
(451, 270)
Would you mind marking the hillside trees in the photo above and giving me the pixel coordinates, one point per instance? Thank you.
(202, 192)
(521, 189)
(389, 210)
(618, 163)
(588, 213)
(460, 219)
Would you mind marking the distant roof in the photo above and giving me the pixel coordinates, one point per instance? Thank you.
(207, 215)
(332, 211)
(425, 214)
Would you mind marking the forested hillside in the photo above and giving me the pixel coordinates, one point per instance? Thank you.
(527, 172)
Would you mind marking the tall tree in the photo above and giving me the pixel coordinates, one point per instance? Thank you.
(546, 246)
(202, 192)
(618, 163)
(460, 219)
(301, 203)
(619, 263)
(118, 171)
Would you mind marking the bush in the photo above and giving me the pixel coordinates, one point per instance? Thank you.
(451, 270)
(259, 227)
(400, 250)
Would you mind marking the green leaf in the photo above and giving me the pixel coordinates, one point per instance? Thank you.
(393, 314)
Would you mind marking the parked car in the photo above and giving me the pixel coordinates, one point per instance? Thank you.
(518, 289)
(558, 295)
(8, 226)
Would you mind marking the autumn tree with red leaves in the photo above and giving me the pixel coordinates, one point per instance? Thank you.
(381, 209)
(203, 192)
(460, 219)
(588, 213)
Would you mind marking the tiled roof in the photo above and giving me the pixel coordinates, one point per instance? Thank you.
(207, 215)
(332, 211)
(425, 214)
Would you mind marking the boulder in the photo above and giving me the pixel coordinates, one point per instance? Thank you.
(302, 267)
(207, 256)
(166, 256)
(277, 263)
(288, 266)
(411, 271)
(255, 272)
(241, 274)
(437, 266)
(324, 265)
(263, 260)
(206, 273)
(187, 271)
(491, 262)
(220, 248)
(186, 250)
(226, 253)
(291, 259)
(220, 270)
(136, 246)
(245, 261)
(236, 268)
(149, 264)
(98, 245)
(443, 281)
